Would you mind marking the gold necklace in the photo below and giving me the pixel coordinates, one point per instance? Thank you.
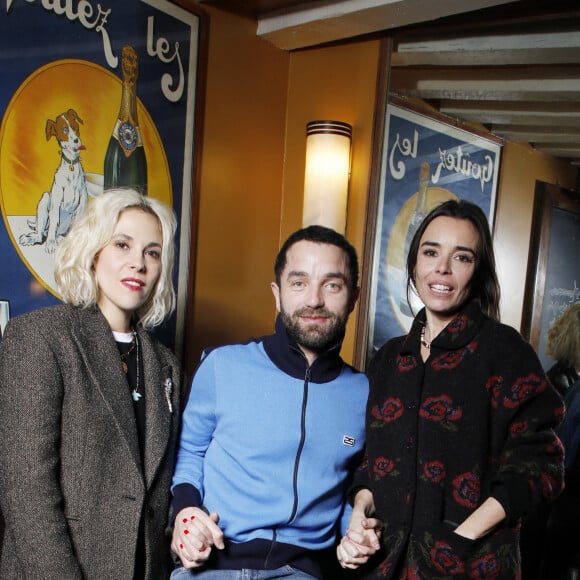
(424, 342)
(124, 355)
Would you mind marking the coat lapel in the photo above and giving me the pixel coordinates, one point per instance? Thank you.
(103, 364)
(158, 386)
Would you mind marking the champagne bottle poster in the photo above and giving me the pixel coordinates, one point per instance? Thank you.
(93, 95)
(424, 162)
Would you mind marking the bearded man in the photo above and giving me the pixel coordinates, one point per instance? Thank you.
(274, 429)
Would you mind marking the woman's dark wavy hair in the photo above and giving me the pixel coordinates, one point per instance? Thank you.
(484, 285)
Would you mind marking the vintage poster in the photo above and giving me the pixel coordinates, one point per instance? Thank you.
(424, 162)
(70, 70)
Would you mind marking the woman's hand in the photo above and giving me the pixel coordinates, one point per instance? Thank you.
(194, 535)
(362, 538)
(488, 515)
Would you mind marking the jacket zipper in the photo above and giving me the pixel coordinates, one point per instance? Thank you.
(301, 446)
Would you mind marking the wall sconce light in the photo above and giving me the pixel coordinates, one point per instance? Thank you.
(327, 173)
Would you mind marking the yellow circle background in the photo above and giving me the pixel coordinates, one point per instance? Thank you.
(395, 248)
(28, 161)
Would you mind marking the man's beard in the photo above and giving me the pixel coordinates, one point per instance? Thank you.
(313, 336)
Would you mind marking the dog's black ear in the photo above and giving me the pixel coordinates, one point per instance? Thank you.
(50, 129)
(72, 113)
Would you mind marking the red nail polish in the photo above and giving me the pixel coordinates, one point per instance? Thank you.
(192, 518)
(186, 532)
(181, 546)
(184, 520)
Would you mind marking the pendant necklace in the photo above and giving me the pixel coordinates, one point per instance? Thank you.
(124, 355)
(135, 394)
(424, 342)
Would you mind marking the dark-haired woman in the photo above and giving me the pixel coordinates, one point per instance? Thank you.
(460, 420)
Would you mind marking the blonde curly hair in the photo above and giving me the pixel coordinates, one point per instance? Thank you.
(563, 342)
(90, 233)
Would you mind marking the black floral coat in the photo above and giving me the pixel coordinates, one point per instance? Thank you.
(475, 420)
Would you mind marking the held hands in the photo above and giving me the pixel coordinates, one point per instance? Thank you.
(360, 542)
(194, 535)
(362, 538)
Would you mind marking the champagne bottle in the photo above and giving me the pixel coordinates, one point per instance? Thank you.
(420, 208)
(416, 218)
(125, 162)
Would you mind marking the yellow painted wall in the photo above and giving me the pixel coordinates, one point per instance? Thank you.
(336, 83)
(241, 186)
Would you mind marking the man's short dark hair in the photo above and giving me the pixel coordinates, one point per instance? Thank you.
(319, 235)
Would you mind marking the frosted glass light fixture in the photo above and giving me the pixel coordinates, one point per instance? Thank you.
(327, 173)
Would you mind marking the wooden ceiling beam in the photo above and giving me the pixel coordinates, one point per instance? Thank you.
(321, 22)
(495, 118)
(470, 58)
(534, 134)
(524, 84)
(509, 107)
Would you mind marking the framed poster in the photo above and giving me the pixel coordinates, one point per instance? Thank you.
(74, 69)
(553, 279)
(425, 160)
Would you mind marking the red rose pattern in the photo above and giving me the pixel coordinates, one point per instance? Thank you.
(466, 490)
(440, 409)
(487, 567)
(406, 363)
(434, 471)
(457, 324)
(383, 466)
(391, 409)
(451, 359)
(445, 560)
(493, 386)
(523, 389)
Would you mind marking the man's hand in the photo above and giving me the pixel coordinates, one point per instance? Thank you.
(194, 535)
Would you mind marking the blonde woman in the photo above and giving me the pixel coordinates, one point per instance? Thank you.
(90, 405)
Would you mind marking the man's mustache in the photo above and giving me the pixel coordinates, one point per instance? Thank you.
(322, 312)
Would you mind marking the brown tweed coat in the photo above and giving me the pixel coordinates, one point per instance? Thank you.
(73, 489)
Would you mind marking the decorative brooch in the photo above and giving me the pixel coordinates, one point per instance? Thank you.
(168, 392)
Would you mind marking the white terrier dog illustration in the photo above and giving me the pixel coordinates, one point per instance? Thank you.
(68, 196)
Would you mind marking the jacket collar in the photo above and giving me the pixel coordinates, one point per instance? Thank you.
(287, 356)
(457, 334)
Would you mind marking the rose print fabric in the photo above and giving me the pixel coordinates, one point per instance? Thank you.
(475, 420)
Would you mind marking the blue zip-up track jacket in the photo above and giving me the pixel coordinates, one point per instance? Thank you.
(270, 444)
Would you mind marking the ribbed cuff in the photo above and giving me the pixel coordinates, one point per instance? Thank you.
(515, 496)
(185, 495)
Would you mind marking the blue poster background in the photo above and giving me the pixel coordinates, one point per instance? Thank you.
(34, 33)
(455, 164)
